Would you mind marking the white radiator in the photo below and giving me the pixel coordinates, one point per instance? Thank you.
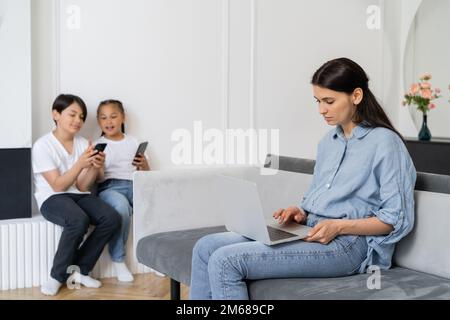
(27, 248)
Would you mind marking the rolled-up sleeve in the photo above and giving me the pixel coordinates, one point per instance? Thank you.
(397, 176)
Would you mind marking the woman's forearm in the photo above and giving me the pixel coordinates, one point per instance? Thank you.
(367, 227)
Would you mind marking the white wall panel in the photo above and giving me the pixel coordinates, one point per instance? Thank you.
(15, 75)
(293, 39)
(225, 62)
(162, 58)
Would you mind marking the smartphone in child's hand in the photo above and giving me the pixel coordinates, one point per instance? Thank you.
(141, 149)
(100, 147)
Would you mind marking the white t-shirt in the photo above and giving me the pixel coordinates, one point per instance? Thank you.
(49, 154)
(119, 157)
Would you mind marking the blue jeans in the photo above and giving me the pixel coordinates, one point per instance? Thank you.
(119, 195)
(222, 262)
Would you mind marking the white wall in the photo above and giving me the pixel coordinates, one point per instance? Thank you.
(44, 61)
(15, 74)
(427, 52)
(294, 38)
(408, 10)
(230, 64)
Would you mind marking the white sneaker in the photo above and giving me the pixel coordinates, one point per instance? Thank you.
(51, 287)
(123, 274)
(88, 282)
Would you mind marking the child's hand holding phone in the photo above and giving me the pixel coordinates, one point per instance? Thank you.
(98, 159)
(140, 161)
(100, 147)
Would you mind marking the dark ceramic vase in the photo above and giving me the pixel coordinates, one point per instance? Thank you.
(424, 134)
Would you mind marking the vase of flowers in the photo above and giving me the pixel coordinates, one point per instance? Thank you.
(422, 95)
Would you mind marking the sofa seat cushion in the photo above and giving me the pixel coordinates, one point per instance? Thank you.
(396, 283)
(171, 252)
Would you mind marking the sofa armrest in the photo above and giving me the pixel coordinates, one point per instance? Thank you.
(177, 199)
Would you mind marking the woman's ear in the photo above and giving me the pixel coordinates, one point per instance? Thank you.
(55, 115)
(357, 96)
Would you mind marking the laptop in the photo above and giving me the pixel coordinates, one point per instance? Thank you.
(244, 214)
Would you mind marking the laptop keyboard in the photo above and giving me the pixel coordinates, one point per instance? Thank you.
(277, 234)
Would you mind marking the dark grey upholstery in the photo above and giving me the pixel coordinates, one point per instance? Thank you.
(433, 182)
(396, 284)
(170, 253)
(290, 164)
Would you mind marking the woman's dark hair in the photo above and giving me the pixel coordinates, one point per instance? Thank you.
(345, 75)
(63, 101)
(118, 104)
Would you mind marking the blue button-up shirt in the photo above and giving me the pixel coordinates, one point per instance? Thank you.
(369, 174)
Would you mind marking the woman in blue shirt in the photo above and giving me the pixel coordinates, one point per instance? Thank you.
(360, 202)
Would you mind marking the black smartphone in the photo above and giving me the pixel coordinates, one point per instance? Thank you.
(100, 147)
(141, 149)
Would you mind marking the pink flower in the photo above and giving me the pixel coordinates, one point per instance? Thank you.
(414, 89)
(425, 85)
(437, 90)
(426, 93)
(431, 106)
(426, 77)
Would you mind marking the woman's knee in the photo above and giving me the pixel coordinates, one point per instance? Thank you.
(201, 249)
(229, 260)
(222, 261)
(212, 242)
(205, 246)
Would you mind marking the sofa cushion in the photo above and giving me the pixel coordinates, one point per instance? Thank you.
(171, 252)
(427, 247)
(396, 283)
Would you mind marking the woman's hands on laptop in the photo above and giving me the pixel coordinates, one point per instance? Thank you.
(290, 214)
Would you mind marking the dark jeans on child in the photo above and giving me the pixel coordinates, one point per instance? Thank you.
(75, 212)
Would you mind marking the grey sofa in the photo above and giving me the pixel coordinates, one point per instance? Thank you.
(421, 268)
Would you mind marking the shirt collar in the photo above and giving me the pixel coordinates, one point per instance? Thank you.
(360, 131)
